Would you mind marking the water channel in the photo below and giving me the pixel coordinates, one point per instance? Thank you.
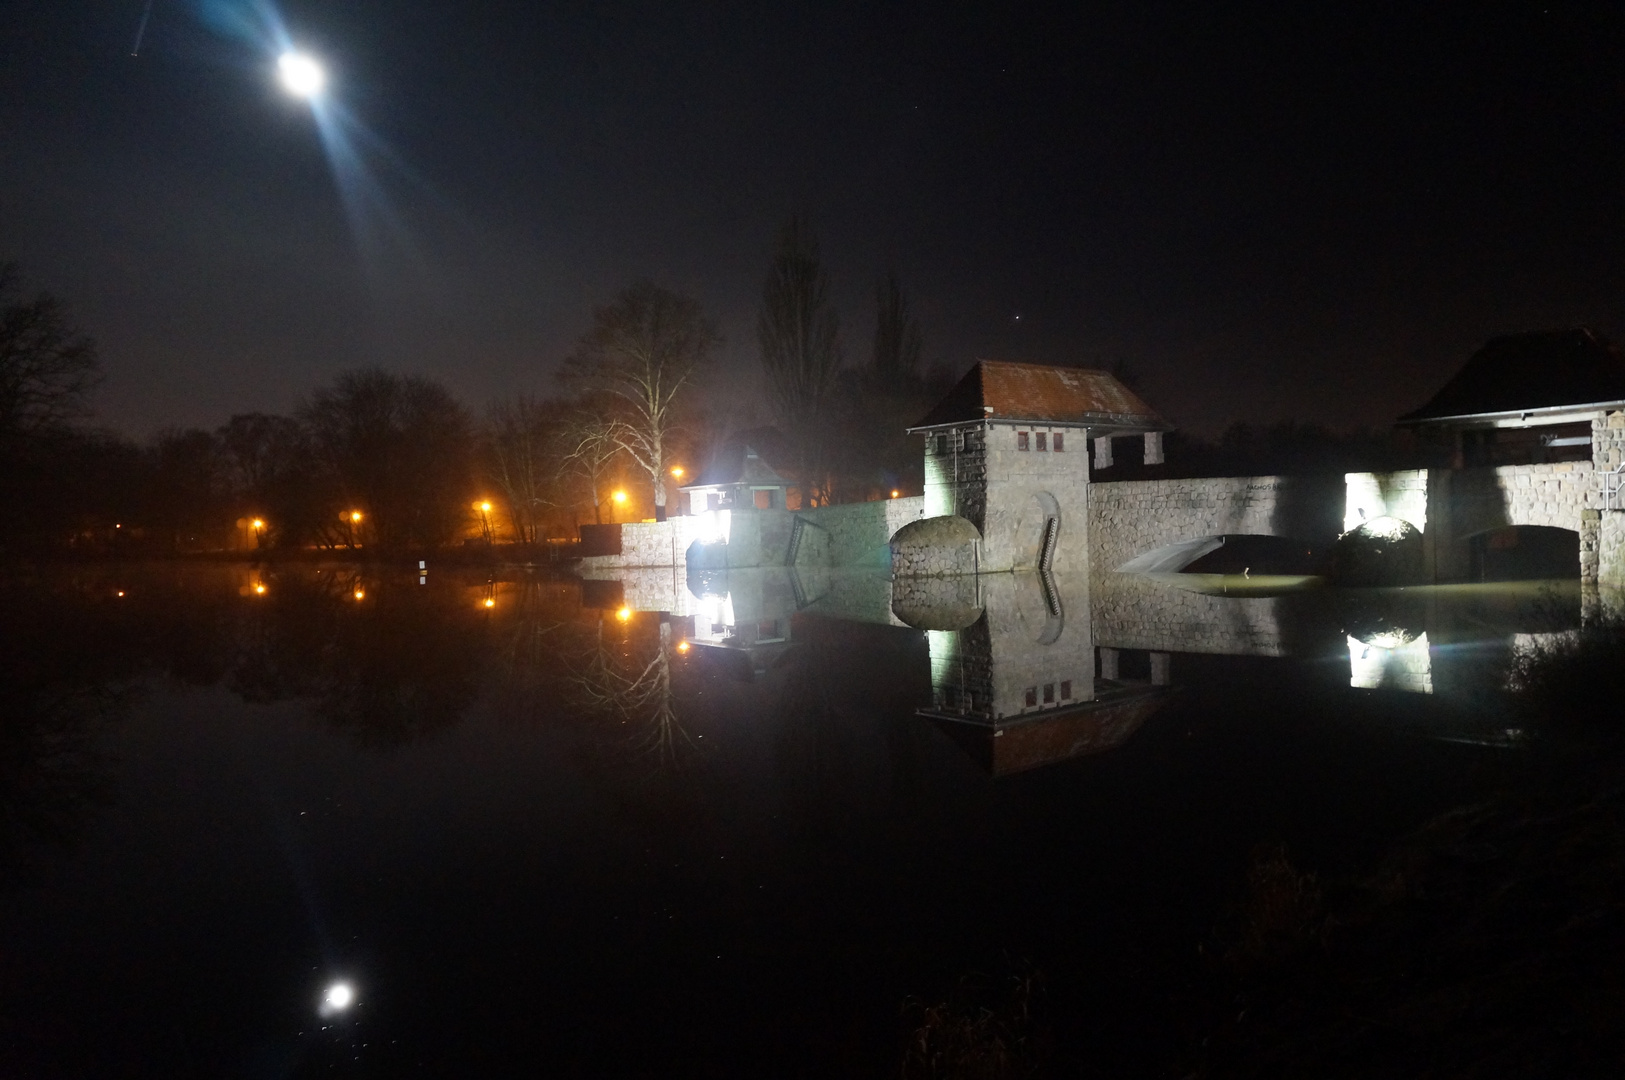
(727, 825)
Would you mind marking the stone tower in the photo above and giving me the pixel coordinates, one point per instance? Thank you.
(1007, 452)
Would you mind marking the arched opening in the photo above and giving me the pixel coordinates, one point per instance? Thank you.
(1524, 553)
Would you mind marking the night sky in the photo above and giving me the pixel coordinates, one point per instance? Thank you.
(1263, 211)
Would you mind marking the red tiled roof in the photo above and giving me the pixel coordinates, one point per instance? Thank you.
(1040, 393)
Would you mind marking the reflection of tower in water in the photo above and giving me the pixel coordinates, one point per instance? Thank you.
(1013, 672)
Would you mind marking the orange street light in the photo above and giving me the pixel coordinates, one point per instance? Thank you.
(896, 494)
(620, 496)
(677, 471)
(259, 588)
(361, 594)
(490, 601)
(682, 646)
(355, 515)
(258, 524)
(624, 614)
(485, 506)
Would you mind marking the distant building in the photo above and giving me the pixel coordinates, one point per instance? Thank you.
(737, 479)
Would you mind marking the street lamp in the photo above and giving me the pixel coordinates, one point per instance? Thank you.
(484, 507)
(258, 525)
(618, 497)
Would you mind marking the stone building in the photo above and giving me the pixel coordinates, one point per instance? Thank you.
(737, 479)
(1007, 468)
(1534, 426)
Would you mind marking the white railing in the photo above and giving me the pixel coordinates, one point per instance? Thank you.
(1612, 481)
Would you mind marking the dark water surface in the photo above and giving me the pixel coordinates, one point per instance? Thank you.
(544, 838)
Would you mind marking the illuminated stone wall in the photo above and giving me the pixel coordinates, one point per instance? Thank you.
(855, 534)
(1026, 487)
(1130, 518)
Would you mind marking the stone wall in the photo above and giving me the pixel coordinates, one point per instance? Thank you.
(935, 547)
(1465, 502)
(1024, 489)
(649, 543)
(1608, 441)
(856, 534)
(1611, 549)
(956, 474)
(1130, 518)
(1402, 495)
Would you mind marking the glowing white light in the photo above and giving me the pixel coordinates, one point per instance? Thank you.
(339, 996)
(301, 75)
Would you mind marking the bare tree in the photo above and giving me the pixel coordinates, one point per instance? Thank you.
(644, 349)
(591, 443)
(47, 369)
(799, 336)
(898, 339)
(522, 449)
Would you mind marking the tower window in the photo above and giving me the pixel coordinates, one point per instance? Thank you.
(1021, 440)
(1058, 444)
(1041, 437)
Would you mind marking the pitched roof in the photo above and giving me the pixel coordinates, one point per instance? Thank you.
(1544, 369)
(1040, 393)
(737, 463)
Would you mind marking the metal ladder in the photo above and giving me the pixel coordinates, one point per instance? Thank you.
(1046, 550)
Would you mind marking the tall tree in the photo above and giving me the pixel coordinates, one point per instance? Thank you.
(591, 442)
(47, 368)
(644, 350)
(799, 336)
(898, 339)
(523, 439)
(398, 448)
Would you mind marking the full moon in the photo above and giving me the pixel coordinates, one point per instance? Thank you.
(339, 996)
(301, 75)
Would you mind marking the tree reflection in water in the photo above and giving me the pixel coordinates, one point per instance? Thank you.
(67, 673)
(628, 675)
(386, 661)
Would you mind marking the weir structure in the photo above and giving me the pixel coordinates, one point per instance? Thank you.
(1018, 460)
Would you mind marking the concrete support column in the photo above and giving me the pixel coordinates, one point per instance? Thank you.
(1153, 448)
(1103, 452)
(1160, 669)
(1108, 664)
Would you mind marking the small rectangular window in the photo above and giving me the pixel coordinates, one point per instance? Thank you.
(1042, 436)
(1032, 696)
(942, 445)
(1066, 690)
(1021, 440)
(1059, 445)
(764, 500)
(1049, 693)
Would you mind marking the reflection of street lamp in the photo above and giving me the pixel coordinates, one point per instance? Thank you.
(625, 614)
(682, 646)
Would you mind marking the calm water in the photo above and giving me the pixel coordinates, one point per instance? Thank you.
(541, 831)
